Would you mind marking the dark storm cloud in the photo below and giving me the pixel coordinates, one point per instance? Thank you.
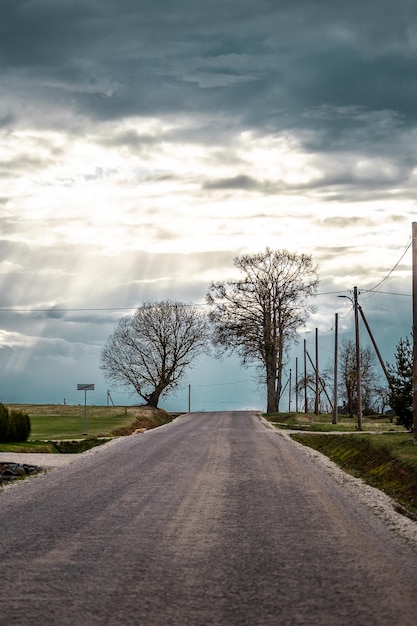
(268, 63)
(344, 182)
(242, 182)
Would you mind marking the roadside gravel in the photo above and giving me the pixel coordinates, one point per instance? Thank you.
(47, 461)
(382, 505)
(40, 460)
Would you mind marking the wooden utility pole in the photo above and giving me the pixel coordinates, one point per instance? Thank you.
(289, 392)
(296, 384)
(317, 402)
(305, 378)
(358, 359)
(358, 355)
(414, 226)
(109, 398)
(336, 338)
(321, 383)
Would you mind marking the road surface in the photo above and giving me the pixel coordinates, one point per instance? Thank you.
(214, 519)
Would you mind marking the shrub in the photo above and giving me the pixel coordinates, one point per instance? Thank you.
(14, 425)
(4, 418)
(18, 426)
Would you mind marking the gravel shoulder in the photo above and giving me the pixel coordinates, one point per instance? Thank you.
(381, 505)
(47, 460)
(40, 460)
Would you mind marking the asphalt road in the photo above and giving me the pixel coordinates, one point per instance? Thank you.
(211, 520)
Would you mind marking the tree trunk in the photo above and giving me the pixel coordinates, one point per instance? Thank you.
(278, 392)
(278, 358)
(270, 385)
(153, 399)
(271, 395)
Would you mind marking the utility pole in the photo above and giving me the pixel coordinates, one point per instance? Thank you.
(358, 355)
(336, 338)
(289, 393)
(109, 398)
(358, 359)
(296, 384)
(321, 383)
(414, 226)
(317, 401)
(305, 378)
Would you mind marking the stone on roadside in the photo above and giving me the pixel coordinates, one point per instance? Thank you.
(11, 471)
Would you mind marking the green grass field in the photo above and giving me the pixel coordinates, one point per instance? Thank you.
(51, 422)
(67, 422)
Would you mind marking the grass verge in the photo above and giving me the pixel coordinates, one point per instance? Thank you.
(60, 428)
(388, 461)
(323, 422)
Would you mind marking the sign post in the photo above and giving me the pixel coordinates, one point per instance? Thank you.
(85, 388)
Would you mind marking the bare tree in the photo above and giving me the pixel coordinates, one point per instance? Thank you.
(309, 382)
(348, 380)
(259, 314)
(151, 350)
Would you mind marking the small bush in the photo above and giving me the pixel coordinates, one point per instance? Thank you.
(18, 426)
(4, 418)
(14, 425)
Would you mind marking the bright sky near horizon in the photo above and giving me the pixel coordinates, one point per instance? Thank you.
(145, 144)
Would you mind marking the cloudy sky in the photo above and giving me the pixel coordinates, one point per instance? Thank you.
(146, 143)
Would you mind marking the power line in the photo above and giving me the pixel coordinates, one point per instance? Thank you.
(386, 293)
(391, 271)
(235, 382)
(330, 293)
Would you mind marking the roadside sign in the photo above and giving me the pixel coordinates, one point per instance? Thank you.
(85, 387)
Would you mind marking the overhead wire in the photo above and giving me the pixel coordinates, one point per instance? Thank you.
(374, 289)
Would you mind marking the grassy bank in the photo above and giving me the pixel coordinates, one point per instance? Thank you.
(323, 422)
(383, 454)
(52, 423)
(386, 461)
